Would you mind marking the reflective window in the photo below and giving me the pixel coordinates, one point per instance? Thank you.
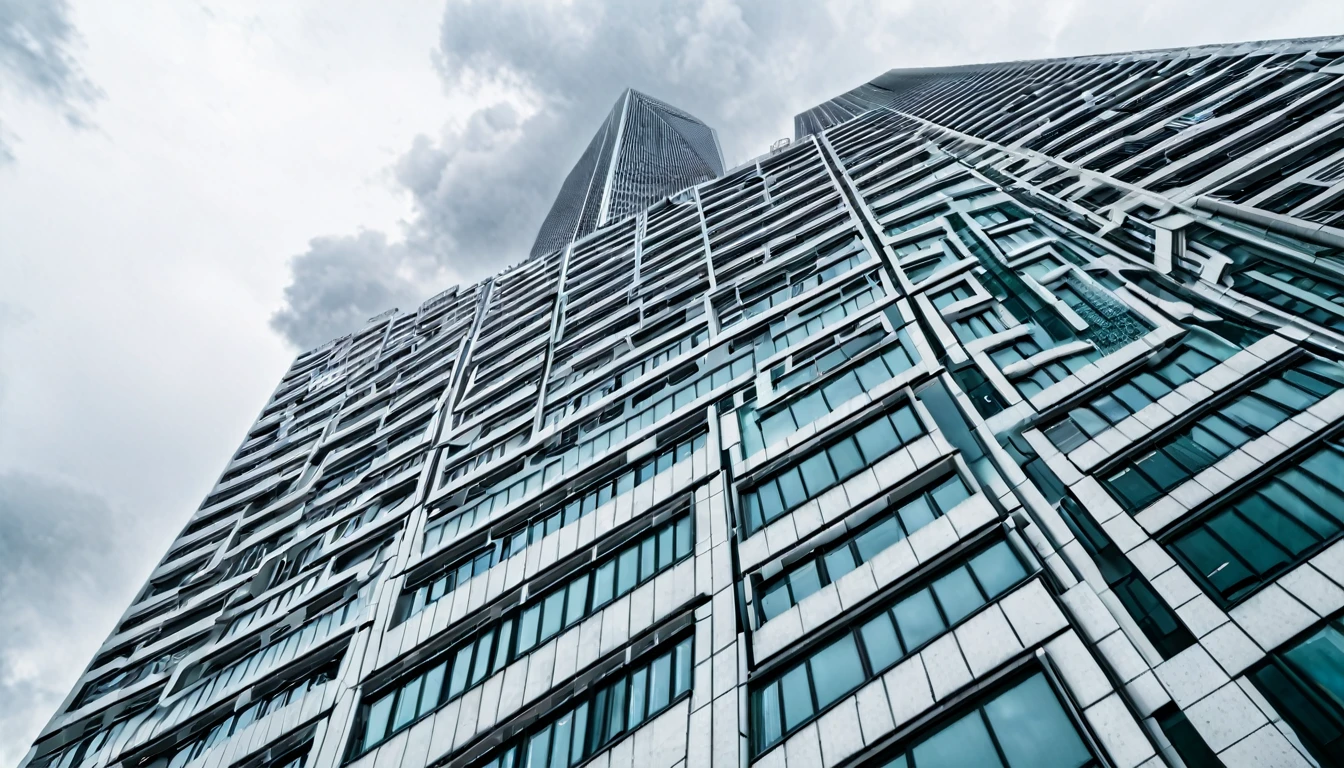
(909, 515)
(830, 465)
(1136, 483)
(1025, 726)
(519, 633)
(1283, 520)
(878, 642)
(581, 730)
(1198, 353)
(1305, 683)
(772, 424)
(550, 520)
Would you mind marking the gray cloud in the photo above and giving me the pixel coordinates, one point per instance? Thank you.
(37, 60)
(64, 556)
(342, 281)
(481, 187)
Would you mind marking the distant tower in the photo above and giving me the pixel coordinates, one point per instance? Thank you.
(644, 151)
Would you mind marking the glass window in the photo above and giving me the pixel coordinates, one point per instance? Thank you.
(1138, 482)
(407, 703)
(1305, 683)
(375, 724)
(819, 471)
(566, 604)
(884, 530)
(957, 594)
(997, 569)
(836, 670)
(919, 619)
(1240, 545)
(845, 457)
(1032, 728)
(873, 645)
(879, 639)
(1025, 726)
(964, 743)
(797, 696)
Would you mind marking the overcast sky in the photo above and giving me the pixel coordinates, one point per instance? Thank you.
(189, 192)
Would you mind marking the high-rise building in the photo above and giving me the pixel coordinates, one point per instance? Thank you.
(645, 151)
(999, 424)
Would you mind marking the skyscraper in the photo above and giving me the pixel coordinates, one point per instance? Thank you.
(644, 151)
(999, 424)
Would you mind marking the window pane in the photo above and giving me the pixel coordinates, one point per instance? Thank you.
(997, 568)
(603, 583)
(809, 408)
(1110, 409)
(1248, 542)
(839, 562)
(432, 688)
(771, 505)
(538, 747)
(577, 599)
(552, 613)
(805, 580)
(777, 426)
(775, 600)
(375, 728)
(845, 457)
(879, 640)
(817, 473)
(916, 513)
(963, 744)
(660, 683)
(1327, 498)
(877, 538)
(957, 594)
(766, 716)
(918, 619)
(461, 668)
(949, 494)
(842, 389)
(638, 683)
(616, 719)
(648, 559)
(576, 752)
(1210, 558)
(1320, 659)
(836, 670)
(1131, 489)
(684, 543)
(1089, 421)
(627, 570)
(527, 628)
(797, 697)
(681, 667)
(791, 488)
(1065, 435)
(1033, 729)
(1284, 496)
(560, 741)
(907, 426)
(877, 439)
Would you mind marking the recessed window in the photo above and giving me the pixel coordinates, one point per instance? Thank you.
(876, 643)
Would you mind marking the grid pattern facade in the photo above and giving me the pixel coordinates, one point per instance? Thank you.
(645, 150)
(998, 425)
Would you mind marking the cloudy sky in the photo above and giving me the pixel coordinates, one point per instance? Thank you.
(192, 191)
